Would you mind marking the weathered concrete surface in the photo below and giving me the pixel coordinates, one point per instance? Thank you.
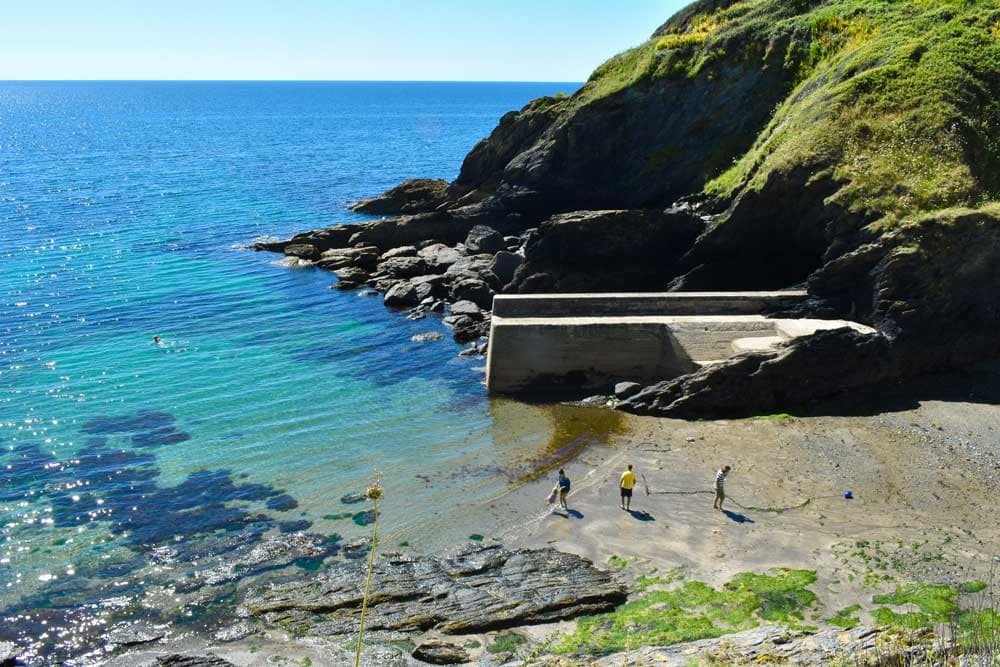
(645, 303)
(555, 345)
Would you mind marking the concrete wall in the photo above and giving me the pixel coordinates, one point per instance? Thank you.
(644, 303)
(594, 352)
(591, 341)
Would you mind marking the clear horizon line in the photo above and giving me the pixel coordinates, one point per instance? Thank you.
(113, 80)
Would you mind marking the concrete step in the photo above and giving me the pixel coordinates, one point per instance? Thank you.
(756, 343)
(794, 328)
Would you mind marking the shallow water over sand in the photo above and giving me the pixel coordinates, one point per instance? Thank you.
(123, 209)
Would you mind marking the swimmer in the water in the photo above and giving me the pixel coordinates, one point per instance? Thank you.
(156, 340)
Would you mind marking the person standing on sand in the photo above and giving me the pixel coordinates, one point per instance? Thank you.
(626, 484)
(720, 487)
(563, 485)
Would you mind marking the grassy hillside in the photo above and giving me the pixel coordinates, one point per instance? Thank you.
(896, 99)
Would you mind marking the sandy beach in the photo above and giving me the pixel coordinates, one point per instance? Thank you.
(923, 474)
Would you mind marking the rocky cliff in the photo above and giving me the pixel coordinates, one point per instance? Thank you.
(852, 146)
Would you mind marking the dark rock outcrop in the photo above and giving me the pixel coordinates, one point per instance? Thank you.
(483, 239)
(402, 295)
(302, 251)
(362, 257)
(467, 328)
(402, 267)
(439, 256)
(474, 290)
(929, 287)
(437, 652)
(351, 277)
(505, 264)
(643, 145)
(417, 195)
(184, 660)
(625, 390)
(401, 251)
(824, 364)
(477, 589)
(607, 251)
(802, 157)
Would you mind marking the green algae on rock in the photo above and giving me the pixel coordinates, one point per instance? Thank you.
(693, 610)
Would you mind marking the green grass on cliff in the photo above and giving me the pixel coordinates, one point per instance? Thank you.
(897, 100)
(694, 610)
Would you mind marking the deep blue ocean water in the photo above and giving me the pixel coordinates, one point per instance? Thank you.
(124, 208)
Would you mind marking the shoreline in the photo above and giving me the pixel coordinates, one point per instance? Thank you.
(918, 523)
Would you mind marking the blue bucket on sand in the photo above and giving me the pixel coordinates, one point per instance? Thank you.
(848, 495)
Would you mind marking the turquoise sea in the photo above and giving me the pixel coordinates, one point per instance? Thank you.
(124, 210)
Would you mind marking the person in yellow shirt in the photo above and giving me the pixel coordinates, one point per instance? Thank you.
(626, 484)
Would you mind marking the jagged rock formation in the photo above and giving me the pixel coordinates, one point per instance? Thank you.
(849, 146)
(417, 195)
(606, 250)
(477, 589)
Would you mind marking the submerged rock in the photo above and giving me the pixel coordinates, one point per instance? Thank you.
(254, 558)
(132, 634)
(477, 589)
(235, 632)
(427, 337)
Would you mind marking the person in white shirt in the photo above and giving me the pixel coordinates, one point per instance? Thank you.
(720, 487)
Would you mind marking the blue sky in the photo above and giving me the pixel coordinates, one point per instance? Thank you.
(514, 40)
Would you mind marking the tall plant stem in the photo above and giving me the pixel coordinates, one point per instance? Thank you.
(368, 586)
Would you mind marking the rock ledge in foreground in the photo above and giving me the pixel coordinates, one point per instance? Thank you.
(477, 589)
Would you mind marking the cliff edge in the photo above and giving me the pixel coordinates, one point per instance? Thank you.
(850, 146)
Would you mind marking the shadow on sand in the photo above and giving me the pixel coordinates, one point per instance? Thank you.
(738, 518)
(641, 516)
(974, 384)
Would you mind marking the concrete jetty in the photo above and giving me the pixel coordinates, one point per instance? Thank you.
(591, 341)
